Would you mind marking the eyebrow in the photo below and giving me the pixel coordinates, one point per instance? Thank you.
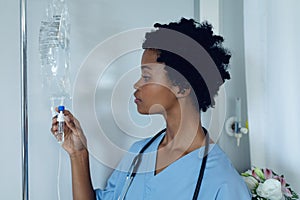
(146, 67)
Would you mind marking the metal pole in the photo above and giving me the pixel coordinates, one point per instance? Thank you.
(24, 111)
(197, 10)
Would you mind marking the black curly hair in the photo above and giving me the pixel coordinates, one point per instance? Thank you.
(201, 34)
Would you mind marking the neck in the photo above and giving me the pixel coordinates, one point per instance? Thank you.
(184, 130)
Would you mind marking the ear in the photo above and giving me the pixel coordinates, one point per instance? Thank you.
(181, 92)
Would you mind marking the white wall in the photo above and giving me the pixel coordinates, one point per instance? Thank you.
(272, 55)
(10, 143)
(92, 23)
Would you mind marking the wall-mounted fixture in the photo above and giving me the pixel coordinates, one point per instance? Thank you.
(233, 125)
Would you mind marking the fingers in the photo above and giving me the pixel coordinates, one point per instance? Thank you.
(72, 125)
(70, 122)
(68, 115)
(54, 125)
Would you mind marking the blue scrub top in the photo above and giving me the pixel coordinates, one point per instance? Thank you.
(178, 181)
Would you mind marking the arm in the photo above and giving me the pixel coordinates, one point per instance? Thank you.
(81, 181)
(75, 144)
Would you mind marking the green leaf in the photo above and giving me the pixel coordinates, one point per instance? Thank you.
(259, 173)
(245, 174)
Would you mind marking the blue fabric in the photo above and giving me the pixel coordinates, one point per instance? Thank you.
(178, 181)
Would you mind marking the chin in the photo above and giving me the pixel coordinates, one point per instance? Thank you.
(143, 112)
(152, 111)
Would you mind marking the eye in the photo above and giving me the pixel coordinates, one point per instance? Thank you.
(146, 78)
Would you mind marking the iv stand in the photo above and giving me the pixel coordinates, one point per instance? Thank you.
(24, 111)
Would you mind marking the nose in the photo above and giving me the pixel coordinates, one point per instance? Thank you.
(137, 85)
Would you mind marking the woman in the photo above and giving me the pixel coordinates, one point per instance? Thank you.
(177, 81)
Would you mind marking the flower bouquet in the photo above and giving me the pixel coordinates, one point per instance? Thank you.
(265, 184)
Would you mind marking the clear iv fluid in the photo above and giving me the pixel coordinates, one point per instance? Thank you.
(60, 120)
(54, 47)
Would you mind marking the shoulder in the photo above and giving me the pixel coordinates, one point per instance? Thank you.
(149, 142)
(227, 192)
(138, 145)
(218, 159)
(135, 149)
(219, 165)
(222, 174)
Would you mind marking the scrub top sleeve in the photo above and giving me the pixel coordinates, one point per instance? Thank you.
(113, 189)
(109, 191)
(227, 192)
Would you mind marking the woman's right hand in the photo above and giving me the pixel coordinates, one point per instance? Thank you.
(74, 139)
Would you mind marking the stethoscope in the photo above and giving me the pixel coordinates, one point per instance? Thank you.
(138, 158)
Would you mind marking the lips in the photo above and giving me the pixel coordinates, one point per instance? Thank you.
(137, 99)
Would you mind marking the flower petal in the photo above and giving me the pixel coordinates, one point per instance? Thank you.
(283, 182)
(286, 192)
(268, 173)
(255, 175)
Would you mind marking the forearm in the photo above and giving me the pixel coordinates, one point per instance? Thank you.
(81, 180)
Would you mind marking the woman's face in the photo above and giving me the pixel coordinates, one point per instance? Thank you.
(154, 92)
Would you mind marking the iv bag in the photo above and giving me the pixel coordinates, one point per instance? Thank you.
(54, 48)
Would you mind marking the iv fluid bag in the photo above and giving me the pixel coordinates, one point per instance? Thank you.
(54, 47)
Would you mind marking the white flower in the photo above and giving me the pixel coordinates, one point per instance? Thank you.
(270, 189)
(251, 182)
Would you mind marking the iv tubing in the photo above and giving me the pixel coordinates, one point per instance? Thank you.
(58, 173)
(24, 111)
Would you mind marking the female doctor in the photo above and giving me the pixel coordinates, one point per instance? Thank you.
(182, 67)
